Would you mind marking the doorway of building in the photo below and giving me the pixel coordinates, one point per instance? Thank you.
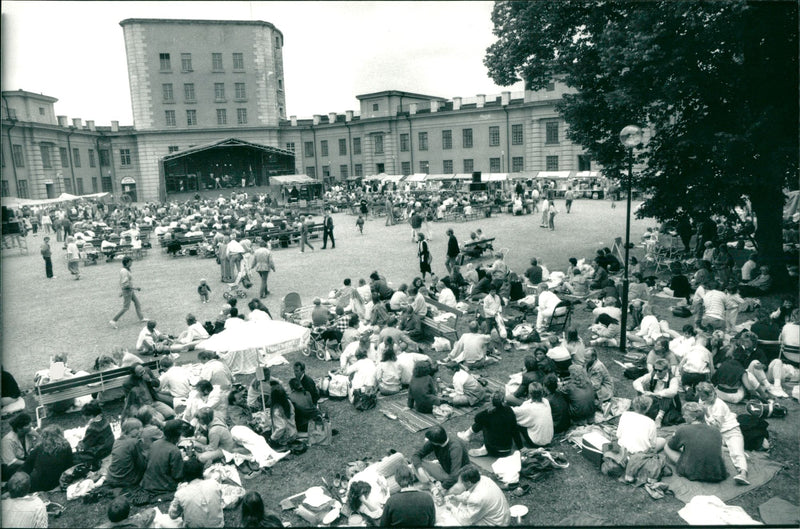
(129, 187)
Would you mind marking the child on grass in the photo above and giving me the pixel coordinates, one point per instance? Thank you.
(360, 224)
(203, 290)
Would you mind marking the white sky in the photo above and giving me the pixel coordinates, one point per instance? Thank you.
(74, 51)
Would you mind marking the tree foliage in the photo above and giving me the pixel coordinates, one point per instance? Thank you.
(714, 83)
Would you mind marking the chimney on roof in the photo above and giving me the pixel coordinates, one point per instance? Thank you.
(90, 124)
(331, 117)
(481, 100)
(317, 117)
(62, 121)
(434, 105)
(456, 103)
(412, 108)
(115, 126)
(348, 116)
(505, 98)
(77, 123)
(293, 119)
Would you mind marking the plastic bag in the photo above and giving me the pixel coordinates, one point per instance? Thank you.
(441, 344)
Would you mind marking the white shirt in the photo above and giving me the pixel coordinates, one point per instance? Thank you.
(406, 362)
(365, 373)
(446, 297)
(714, 304)
(492, 305)
(537, 418)
(258, 315)
(195, 332)
(636, 432)
(175, 380)
(790, 335)
(747, 270)
(649, 328)
(233, 323)
(547, 302)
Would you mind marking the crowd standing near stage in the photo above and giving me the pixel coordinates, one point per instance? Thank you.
(182, 426)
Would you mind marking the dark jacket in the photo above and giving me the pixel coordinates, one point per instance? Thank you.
(452, 247)
(453, 457)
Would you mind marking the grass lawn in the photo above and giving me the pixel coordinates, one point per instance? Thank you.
(42, 317)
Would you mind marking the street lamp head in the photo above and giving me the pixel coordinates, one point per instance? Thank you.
(630, 136)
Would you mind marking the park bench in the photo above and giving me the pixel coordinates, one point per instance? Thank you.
(483, 245)
(446, 329)
(187, 243)
(80, 386)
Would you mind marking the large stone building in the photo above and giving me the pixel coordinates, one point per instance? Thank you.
(208, 100)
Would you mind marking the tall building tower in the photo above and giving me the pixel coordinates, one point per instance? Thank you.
(202, 74)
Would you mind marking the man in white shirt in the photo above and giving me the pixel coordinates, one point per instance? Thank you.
(418, 305)
(749, 267)
(23, 509)
(194, 334)
(636, 431)
(446, 296)
(713, 307)
(399, 299)
(175, 380)
(482, 502)
(547, 304)
(406, 362)
(153, 342)
(470, 348)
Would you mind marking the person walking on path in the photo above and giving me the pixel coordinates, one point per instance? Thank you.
(73, 257)
(128, 294)
(263, 264)
(304, 235)
(46, 255)
(425, 257)
(452, 251)
(569, 196)
(551, 215)
(327, 230)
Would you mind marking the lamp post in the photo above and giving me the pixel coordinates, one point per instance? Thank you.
(630, 137)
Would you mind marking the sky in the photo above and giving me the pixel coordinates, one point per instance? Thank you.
(333, 51)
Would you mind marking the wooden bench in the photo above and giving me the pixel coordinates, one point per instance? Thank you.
(483, 245)
(446, 329)
(74, 387)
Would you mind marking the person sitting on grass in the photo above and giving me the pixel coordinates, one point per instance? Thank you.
(559, 405)
(757, 287)
(389, 372)
(697, 364)
(409, 507)
(534, 420)
(530, 375)
(560, 356)
(601, 380)
(127, 457)
(483, 502)
(498, 424)
(580, 395)
(467, 391)
(193, 335)
(662, 386)
(144, 385)
(254, 514)
(164, 468)
(696, 448)
(661, 350)
(49, 459)
(119, 515)
(212, 436)
(636, 432)
(215, 370)
(174, 382)
(411, 323)
(451, 456)
(470, 349)
(401, 340)
(199, 502)
(151, 341)
(284, 427)
(304, 407)
(21, 508)
(719, 416)
(98, 440)
(17, 444)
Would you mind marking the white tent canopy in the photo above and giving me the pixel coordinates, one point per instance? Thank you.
(420, 177)
(392, 178)
(494, 177)
(553, 174)
(290, 179)
(14, 202)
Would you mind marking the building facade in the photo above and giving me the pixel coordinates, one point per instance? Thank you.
(214, 90)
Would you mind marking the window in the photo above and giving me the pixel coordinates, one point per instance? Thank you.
(447, 166)
(375, 107)
(22, 188)
(124, 157)
(241, 116)
(222, 116)
(323, 148)
(466, 138)
(516, 134)
(4, 189)
(290, 146)
(277, 42)
(423, 141)
(166, 93)
(94, 184)
(551, 132)
(173, 148)
(280, 84)
(326, 171)
(550, 86)
(92, 162)
(584, 162)
(551, 163)
(358, 169)
(494, 136)
(68, 185)
(238, 61)
(494, 165)
(188, 92)
(163, 59)
(105, 181)
(18, 155)
(79, 182)
(308, 148)
(469, 165)
(186, 62)
(169, 117)
(47, 161)
(424, 167)
(356, 145)
(405, 168)
(41, 111)
(311, 171)
(216, 62)
(219, 91)
(517, 164)
(64, 155)
(105, 159)
(76, 157)
(404, 143)
(342, 147)
(191, 117)
(447, 139)
(343, 172)
(378, 139)
(240, 91)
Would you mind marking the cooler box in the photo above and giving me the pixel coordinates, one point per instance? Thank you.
(593, 443)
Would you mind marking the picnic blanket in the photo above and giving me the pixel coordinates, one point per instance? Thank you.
(760, 471)
(617, 407)
(710, 510)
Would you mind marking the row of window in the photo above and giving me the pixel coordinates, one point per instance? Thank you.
(165, 62)
(189, 95)
(191, 117)
(46, 151)
(66, 184)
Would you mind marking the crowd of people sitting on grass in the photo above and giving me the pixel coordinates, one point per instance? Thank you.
(177, 423)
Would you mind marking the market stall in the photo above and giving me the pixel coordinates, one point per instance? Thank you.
(296, 187)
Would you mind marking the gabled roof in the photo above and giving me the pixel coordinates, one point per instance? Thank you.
(230, 142)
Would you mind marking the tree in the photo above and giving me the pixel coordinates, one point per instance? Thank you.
(714, 83)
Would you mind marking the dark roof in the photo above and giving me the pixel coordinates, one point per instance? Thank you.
(189, 22)
(387, 93)
(25, 93)
(229, 142)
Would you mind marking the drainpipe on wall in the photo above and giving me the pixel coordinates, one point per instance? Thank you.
(314, 134)
(508, 146)
(69, 156)
(11, 145)
(410, 142)
(99, 165)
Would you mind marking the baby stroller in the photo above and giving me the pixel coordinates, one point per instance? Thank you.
(234, 291)
(323, 344)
